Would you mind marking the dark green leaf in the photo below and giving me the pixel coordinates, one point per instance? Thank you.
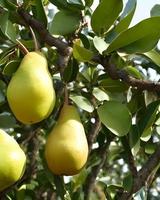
(155, 11)
(105, 15)
(11, 67)
(140, 38)
(154, 56)
(64, 23)
(7, 27)
(113, 85)
(88, 3)
(128, 182)
(116, 117)
(7, 120)
(148, 117)
(61, 4)
(40, 12)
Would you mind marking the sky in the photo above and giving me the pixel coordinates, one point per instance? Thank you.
(143, 10)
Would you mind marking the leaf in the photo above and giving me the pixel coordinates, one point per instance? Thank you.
(64, 23)
(105, 15)
(100, 94)
(81, 54)
(7, 27)
(61, 4)
(141, 194)
(77, 4)
(88, 3)
(146, 134)
(133, 72)
(100, 44)
(11, 67)
(7, 120)
(126, 16)
(128, 182)
(113, 85)
(40, 12)
(148, 117)
(154, 56)
(116, 117)
(155, 11)
(82, 102)
(140, 38)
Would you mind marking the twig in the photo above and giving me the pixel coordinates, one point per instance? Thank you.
(143, 175)
(91, 178)
(34, 39)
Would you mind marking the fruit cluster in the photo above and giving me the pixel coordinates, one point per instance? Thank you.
(31, 97)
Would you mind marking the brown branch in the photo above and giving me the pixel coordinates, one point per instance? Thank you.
(63, 48)
(143, 174)
(91, 178)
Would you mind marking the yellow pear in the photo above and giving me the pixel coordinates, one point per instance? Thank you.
(66, 149)
(12, 160)
(30, 93)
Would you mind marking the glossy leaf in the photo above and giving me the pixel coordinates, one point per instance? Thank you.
(154, 56)
(126, 17)
(61, 4)
(105, 15)
(116, 117)
(149, 116)
(128, 182)
(82, 102)
(88, 3)
(100, 44)
(7, 27)
(100, 94)
(81, 54)
(64, 23)
(140, 38)
(133, 72)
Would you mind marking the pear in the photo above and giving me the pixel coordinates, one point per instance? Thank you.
(66, 149)
(12, 160)
(30, 93)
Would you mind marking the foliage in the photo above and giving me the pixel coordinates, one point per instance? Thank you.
(108, 78)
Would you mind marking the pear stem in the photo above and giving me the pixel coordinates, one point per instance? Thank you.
(66, 95)
(36, 45)
(22, 47)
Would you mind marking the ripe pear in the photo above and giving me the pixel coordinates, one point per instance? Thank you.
(66, 149)
(30, 93)
(12, 161)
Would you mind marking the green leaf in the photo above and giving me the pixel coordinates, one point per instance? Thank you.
(11, 67)
(61, 4)
(7, 120)
(148, 117)
(100, 94)
(40, 12)
(113, 85)
(100, 44)
(64, 23)
(133, 72)
(88, 3)
(128, 182)
(81, 54)
(141, 194)
(7, 27)
(126, 17)
(116, 117)
(82, 102)
(146, 134)
(154, 56)
(155, 11)
(140, 38)
(105, 15)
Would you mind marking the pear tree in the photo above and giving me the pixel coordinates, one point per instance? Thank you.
(79, 101)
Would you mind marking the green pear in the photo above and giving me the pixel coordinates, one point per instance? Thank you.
(12, 161)
(66, 149)
(30, 93)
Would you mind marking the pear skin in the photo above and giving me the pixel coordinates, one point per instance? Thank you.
(12, 161)
(66, 149)
(30, 93)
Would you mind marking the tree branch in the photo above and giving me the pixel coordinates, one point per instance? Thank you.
(143, 174)
(91, 178)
